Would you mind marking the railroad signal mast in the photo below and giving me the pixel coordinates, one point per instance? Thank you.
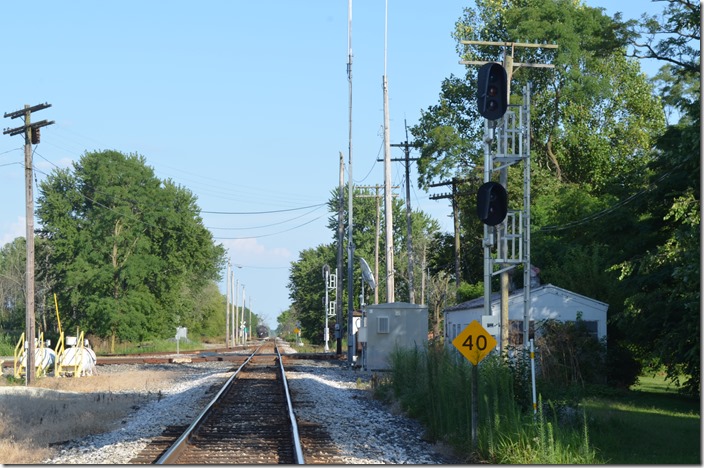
(330, 306)
(506, 142)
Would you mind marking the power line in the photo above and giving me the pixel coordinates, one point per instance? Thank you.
(264, 225)
(609, 210)
(263, 212)
(165, 229)
(261, 267)
(195, 182)
(10, 151)
(268, 235)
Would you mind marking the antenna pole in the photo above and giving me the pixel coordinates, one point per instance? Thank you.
(388, 205)
(350, 196)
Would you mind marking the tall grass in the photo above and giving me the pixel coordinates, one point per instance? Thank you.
(434, 385)
(7, 344)
(102, 347)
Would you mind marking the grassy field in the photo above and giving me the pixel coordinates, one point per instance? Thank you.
(651, 424)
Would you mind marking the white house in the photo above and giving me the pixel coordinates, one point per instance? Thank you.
(547, 302)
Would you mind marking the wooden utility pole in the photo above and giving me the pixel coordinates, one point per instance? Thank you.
(228, 295)
(240, 331)
(376, 231)
(456, 220)
(509, 65)
(340, 239)
(31, 135)
(234, 287)
(409, 239)
(249, 328)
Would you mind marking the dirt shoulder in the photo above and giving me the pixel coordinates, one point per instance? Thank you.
(34, 419)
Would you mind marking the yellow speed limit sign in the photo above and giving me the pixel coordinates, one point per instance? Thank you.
(474, 342)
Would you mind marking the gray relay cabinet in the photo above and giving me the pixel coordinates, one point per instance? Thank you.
(389, 325)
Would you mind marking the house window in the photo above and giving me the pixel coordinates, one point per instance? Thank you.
(382, 324)
(592, 327)
(515, 332)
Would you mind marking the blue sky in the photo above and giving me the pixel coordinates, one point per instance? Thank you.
(243, 103)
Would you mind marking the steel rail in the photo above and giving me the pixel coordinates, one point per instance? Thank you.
(292, 416)
(173, 452)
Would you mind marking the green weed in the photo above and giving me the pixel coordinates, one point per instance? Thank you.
(434, 385)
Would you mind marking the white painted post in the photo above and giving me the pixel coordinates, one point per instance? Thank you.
(532, 375)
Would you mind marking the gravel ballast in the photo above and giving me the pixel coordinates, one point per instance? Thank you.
(328, 393)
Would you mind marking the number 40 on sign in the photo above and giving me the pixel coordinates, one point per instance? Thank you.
(475, 343)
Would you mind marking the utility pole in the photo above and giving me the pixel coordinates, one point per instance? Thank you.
(233, 320)
(340, 238)
(509, 65)
(249, 328)
(228, 295)
(31, 135)
(409, 240)
(236, 316)
(240, 329)
(456, 220)
(376, 232)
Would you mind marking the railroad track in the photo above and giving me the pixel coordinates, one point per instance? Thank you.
(250, 421)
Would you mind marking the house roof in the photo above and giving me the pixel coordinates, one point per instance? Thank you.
(496, 297)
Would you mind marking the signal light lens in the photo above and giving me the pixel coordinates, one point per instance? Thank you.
(492, 90)
(492, 203)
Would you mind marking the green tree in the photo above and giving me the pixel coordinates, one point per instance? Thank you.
(128, 252)
(306, 285)
(594, 120)
(12, 285)
(662, 280)
(593, 114)
(286, 322)
(307, 290)
(365, 232)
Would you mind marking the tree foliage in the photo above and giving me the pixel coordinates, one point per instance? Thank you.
(615, 190)
(306, 285)
(569, 355)
(307, 290)
(128, 254)
(670, 36)
(12, 284)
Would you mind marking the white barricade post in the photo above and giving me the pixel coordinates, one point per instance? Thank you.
(181, 332)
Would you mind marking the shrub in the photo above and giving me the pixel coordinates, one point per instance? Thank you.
(569, 355)
(622, 368)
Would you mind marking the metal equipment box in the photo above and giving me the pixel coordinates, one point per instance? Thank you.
(390, 325)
